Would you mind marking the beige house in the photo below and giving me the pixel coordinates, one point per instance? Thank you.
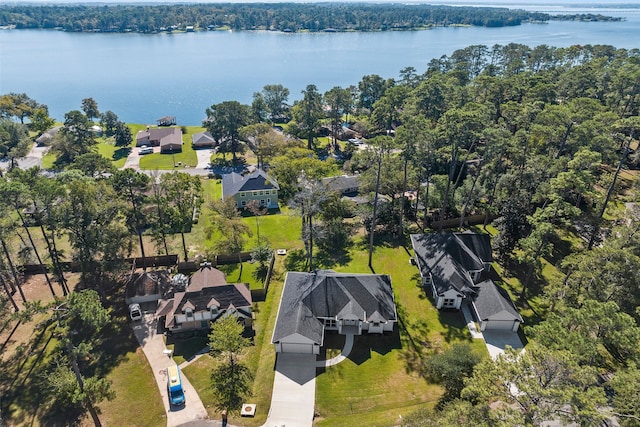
(207, 298)
(169, 139)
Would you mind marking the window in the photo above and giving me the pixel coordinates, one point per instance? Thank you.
(214, 310)
(255, 193)
(449, 303)
(260, 193)
(274, 192)
(244, 203)
(243, 194)
(330, 323)
(189, 313)
(261, 202)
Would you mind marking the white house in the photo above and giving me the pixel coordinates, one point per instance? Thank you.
(313, 303)
(453, 267)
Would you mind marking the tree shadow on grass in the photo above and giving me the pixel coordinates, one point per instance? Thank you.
(414, 340)
(187, 348)
(121, 153)
(366, 344)
(456, 326)
(327, 259)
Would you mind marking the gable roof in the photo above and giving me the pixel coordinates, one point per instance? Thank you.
(306, 297)
(148, 283)
(173, 136)
(448, 259)
(206, 276)
(492, 299)
(341, 183)
(233, 183)
(235, 296)
(202, 138)
(479, 244)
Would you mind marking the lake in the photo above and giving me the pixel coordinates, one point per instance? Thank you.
(142, 77)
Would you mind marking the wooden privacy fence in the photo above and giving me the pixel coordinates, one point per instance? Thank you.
(150, 261)
(455, 222)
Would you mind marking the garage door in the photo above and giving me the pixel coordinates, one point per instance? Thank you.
(297, 348)
(505, 325)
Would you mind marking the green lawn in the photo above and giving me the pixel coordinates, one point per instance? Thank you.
(382, 378)
(186, 158)
(138, 401)
(117, 155)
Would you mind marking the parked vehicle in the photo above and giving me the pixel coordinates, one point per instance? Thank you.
(174, 386)
(145, 150)
(135, 312)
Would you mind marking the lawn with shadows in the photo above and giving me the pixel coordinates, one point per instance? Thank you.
(186, 349)
(383, 376)
(30, 348)
(187, 157)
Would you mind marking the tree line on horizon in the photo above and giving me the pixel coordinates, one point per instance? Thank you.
(310, 17)
(539, 138)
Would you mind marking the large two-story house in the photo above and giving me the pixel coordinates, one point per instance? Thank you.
(256, 185)
(313, 303)
(454, 267)
(207, 297)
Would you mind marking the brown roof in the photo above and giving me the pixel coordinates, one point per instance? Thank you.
(148, 283)
(206, 276)
(228, 296)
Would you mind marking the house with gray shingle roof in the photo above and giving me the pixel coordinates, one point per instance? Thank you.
(453, 266)
(202, 140)
(346, 185)
(494, 309)
(256, 185)
(348, 303)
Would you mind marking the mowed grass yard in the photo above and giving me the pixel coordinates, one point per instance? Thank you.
(383, 377)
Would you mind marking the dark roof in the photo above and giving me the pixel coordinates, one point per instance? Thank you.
(342, 182)
(148, 283)
(237, 296)
(309, 296)
(448, 259)
(479, 244)
(492, 299)
(233, 183)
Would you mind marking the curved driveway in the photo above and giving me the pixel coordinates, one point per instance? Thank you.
(153, 347)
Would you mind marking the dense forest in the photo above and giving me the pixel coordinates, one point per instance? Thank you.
(264, 16)
(544, 140)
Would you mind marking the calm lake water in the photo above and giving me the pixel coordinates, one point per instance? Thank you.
(143, 77)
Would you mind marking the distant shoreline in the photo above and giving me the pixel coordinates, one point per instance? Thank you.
(278, 17)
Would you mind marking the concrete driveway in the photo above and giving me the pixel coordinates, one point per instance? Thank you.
(497, 341)
(204, 157)
(133, 159)
(153, 347)
(294, 391)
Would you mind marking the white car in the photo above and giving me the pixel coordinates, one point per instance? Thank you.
(145, 150)
(135, 312)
